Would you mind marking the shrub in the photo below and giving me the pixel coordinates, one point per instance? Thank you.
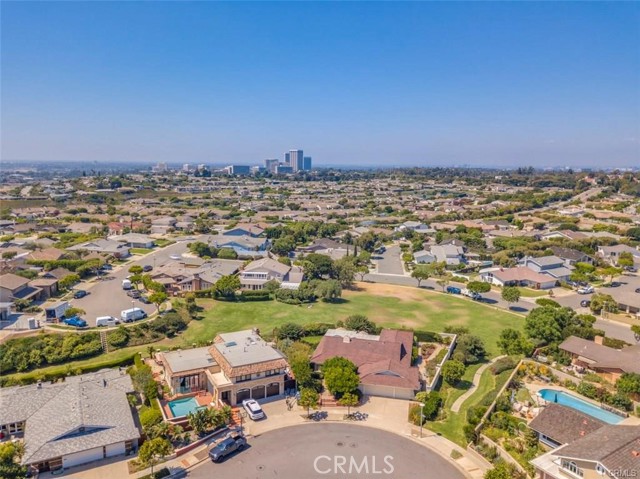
(118, 337)
(587, 389)
(452, 371)
(149, 417)
(317, 329)
(427, 337)
(290, 331)
(502, 364)
(547, 302)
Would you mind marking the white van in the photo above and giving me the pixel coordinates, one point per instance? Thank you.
(106, 321)
(126, 284)
(133, 314)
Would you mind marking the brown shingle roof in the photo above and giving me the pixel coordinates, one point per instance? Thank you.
(564, 424)
(626, 359)
(12, 281)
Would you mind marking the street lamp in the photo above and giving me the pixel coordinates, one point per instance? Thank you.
(421, 417)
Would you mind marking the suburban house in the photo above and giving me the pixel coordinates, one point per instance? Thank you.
(557, 425)
(561, 234)
(612, 253)
(415, 226)
(606, 362)
(183, 277)
(518, 276)
(571, 256)
(423, 257)
(48, 286)
(47, 254)
(121, 227)
(81, 419)
(243, 245)
(13, 287)
(448, 253)
(548, 265)
(260, 271)
(328, 247)
(238, 366)
(609, 451)
(245, 230)
(106, 246)
(163, 225)
(135, 240)
(383, 361)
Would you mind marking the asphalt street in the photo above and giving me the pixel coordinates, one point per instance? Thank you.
(107, 298)
(330, 451)
(390, 262)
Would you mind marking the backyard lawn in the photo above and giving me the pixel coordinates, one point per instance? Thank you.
(387, 305)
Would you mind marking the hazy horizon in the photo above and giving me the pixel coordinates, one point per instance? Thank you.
(480, 84)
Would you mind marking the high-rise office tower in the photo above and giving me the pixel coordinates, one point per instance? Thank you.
(306, 163)
(296, 159)
(270, 164)
(287, 159)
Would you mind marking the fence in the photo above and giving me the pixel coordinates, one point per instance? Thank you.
(436, 377)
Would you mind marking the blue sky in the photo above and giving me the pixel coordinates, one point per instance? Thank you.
(387, 83)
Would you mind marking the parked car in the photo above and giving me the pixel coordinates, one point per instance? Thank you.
(81, 293)
(175, 257)
(453, 290)
(471, 294)
(253, 409)
(144, 299)
(75, 321)
(585, 290)
(126, 284)
(226, 447)
(106, 321)
(585, 303)
(637, 290)
(133, 293)
(106, 267)
(147, 267)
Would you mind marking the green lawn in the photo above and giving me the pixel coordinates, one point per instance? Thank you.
(398, 307)
(161, 243)
(141, 251)
(532, 293)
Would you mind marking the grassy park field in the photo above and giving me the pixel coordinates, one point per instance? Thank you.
(387, 305)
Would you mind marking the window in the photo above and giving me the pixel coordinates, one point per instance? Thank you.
(572, 467)
(272, 372)
(245, 377)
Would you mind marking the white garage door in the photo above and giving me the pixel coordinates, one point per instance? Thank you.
(77, 458)
(115, 449)
(387, 391)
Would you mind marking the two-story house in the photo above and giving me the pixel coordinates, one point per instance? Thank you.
(611, 254)
(549, 265)
(13, 287)
(258, 272)
(609, 451)
(448, 253)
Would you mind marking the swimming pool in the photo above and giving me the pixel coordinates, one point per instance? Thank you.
(553, 395)
(182, 407)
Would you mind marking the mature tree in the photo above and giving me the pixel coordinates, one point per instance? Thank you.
(635, 329)
(511, 294)
(136, 279)
(513, 342)
(452, 371)
(633, 233)
(153, 450)
(158, 299)
(283, 246)
(149, 417)
(10, 455)
(443, 283)
(271, 286)
(302, 372)
(341, 380)
(359, 322)
(478, 286)
(547, 323)
(603, 303)
(625, 260)
(421, 273)
(349, 400)
(227, 286)
(329, 290)
(227, 253)
(361, 271)
(609, 272)
(292, 331)
(344, 270)
(337, 362)
(367, 241)
(629, 383)
(470, 349)
(317, 266)
(68, 281)
(135, 269)
(309, 399)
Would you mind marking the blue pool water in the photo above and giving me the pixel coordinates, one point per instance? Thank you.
(182, 407)
(573, 402)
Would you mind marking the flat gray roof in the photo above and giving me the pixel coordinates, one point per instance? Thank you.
(246, 347)
(189, 359)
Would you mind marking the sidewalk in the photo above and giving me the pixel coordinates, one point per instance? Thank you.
(476, 379)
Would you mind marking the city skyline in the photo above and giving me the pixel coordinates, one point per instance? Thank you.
(365, 84)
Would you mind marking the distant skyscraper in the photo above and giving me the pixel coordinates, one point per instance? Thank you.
(185, 167)
(270, 164)
(287, 159)
(306, 163)
(296, 159)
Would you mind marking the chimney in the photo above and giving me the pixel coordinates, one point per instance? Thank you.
(598, 340)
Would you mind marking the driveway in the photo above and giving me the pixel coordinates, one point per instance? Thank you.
(329, 451)
(107, 298)
(390, 262)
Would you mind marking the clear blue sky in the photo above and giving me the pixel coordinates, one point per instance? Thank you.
(488, 84)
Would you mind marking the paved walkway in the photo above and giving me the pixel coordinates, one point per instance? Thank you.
(476, 379)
